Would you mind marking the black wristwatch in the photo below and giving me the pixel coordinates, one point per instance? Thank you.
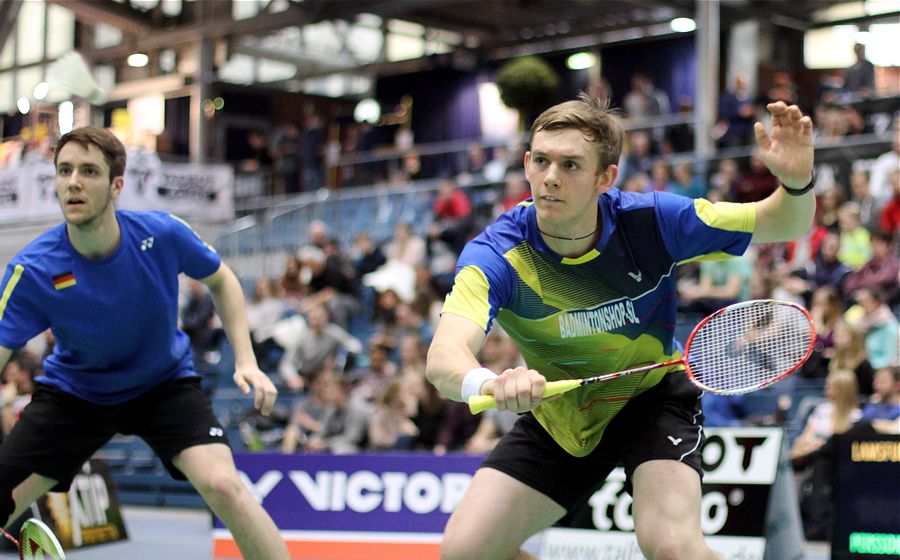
(804, 190)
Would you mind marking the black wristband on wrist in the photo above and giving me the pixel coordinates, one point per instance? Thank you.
(804, 190)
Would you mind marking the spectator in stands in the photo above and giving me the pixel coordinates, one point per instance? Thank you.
(826, 311)
(345, 423)
(737, 113)
(810, 458)
(823, 270)
(885, 165)
(472, 169)
(405, 246)
(856, 247)
(783, 88)
(366, 256)
(756, 183)
(308, 411)
(431, 409)
(679, 138)
(290, 285)
(687, 183)
(264, 310)
(828, 207)
(883, 409)
(660, 176)
(329, 282)
(869, 206)
(286, 158)
(644, 99)
(390, 426)
(721, 283)
(258, 158)
(725, 177)
(515, 190)
(200, 323)
(636, 157)
(371, 381)
(457, 427)
(874, 317)
(312, 151)
(880, 273)
(16, 388)
(322, 340)
(497, 166)
(859, 79)
(889, 220)
(451, 203)
(850, 354)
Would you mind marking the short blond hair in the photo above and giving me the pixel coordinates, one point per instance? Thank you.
(594, 118)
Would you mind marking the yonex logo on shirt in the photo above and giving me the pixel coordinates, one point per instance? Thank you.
(216, 432)
(146, 243)
(607, 318)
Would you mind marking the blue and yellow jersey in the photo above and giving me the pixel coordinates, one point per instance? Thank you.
(609, 310)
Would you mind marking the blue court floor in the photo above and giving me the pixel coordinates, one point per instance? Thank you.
(184, 534)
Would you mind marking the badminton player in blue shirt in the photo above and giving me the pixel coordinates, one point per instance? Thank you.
(106, 283)
(582, 279)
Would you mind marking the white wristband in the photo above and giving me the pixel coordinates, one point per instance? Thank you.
(472, 382)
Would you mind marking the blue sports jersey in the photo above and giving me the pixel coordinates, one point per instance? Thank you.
(608, 310)
(115, 319)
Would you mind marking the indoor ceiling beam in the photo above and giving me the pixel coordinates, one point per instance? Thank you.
(122, 16)
(211, 29)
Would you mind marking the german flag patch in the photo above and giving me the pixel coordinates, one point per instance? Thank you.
(64, 280)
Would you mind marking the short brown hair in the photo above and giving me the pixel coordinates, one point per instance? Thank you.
(594, 118)
(112, 148)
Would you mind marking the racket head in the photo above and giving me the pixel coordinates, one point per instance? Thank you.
(749, 345)
(37, 542)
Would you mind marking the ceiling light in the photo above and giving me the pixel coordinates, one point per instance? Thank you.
(581, 60)
(138, 60)
(41, 90)
(24, 105)
(367, 110)
(683, 25)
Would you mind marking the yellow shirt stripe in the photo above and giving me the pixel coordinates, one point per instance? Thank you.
(13, 280)
(470, 296)
(729, 216)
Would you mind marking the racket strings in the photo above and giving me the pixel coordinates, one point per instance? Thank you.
(749, 346)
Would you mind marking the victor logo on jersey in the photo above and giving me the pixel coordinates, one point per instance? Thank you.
(64, 280)
(602, 319)
(146, 243)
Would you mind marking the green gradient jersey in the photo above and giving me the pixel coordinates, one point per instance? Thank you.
(609, 310)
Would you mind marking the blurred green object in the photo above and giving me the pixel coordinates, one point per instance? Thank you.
(529, 85)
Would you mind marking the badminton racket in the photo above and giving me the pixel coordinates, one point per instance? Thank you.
(738, 349)
(36, 542)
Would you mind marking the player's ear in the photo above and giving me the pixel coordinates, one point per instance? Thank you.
(607, 178)
(527, 159)
(117, 185)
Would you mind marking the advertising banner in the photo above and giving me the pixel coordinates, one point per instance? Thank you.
(89, 513)
(13, 204)
(376, 507)
(187, 190)
(395, 506)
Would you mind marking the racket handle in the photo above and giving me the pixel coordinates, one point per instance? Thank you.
(480, 403)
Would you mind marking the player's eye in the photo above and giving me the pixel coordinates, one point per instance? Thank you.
(570, 165)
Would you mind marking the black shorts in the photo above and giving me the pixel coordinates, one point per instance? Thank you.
(57, 432)
(664, 422)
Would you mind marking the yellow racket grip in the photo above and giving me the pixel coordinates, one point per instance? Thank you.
(481, 403)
